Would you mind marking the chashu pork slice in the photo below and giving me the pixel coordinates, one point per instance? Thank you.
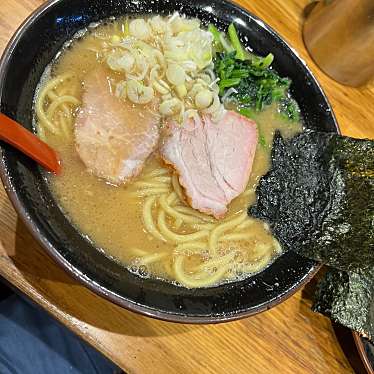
(113, 137)
(213, 160)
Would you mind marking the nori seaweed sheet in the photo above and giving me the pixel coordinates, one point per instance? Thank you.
(318, 201)
(318, 198)
(348, 298)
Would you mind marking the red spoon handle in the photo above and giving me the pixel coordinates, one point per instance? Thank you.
(24, 140)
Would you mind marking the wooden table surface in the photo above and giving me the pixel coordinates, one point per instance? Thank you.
(287, 339)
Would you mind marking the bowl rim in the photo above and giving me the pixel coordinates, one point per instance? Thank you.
(75, 272)
(361, 351)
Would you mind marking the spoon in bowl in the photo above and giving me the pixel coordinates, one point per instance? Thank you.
(13, 133)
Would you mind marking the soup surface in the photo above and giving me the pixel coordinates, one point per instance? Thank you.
(147, 224)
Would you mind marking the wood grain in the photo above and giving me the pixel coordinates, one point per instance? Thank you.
(287, 339)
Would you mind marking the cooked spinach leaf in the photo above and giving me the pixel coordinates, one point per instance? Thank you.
(256, 83)
(235, 42)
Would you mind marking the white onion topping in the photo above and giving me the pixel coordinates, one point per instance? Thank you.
(169, 58)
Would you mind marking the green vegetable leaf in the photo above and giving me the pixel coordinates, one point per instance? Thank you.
(289, 109)
(262, 62)
(240, 53)
(256, 83)
(246, 112)
(261, 140)
(216, 38)
(226, 83)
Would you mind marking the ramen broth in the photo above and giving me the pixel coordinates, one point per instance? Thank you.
(112, 216)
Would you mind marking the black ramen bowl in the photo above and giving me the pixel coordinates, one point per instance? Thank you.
(31, 49)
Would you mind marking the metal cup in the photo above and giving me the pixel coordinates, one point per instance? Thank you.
(339, 35)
